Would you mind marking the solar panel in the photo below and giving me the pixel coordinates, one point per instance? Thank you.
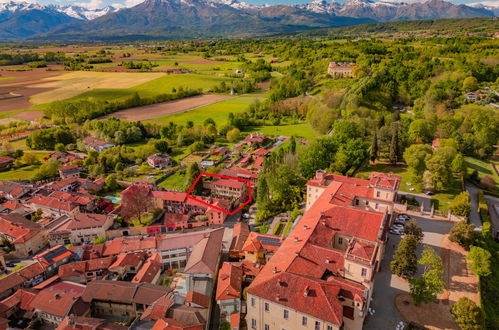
(54, 253)
(272, 241)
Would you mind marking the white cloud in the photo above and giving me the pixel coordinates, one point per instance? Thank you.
(118, 5)
(92, 4)
(131, 3)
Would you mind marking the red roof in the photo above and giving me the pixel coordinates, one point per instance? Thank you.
(170, 195)
(147, 272)
(21, 299)
(53, 255)
(53, 203)
(230, 280)
(19, 277)
(18, 228)
(171, 324)
(236, 184)
(80, 267)
(260, 152)
(78, 198)
(198, 299)
(258, 242)
(129, 259)
(58, 298)
(6, 159)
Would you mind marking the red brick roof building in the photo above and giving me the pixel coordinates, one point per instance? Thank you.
(322, 274)
(27, 236)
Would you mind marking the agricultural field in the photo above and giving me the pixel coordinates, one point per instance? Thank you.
(483, 168)
(218, 111)
(298, 130)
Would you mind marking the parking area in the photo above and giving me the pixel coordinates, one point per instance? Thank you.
(387, 286)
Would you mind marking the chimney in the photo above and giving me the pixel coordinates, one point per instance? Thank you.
(320, 175)
(305, 293)
(278, 298)
(296, 239)
(328, 260)
(305, 227)
(275, 271)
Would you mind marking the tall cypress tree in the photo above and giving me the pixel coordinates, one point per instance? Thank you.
(374, 147)
(394, 145)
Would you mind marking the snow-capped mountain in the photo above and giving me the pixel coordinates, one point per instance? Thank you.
(493, 6)
(85, 13)
(206, 18)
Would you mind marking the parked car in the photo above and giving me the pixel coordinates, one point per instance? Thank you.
(10, 263)
(429, 193)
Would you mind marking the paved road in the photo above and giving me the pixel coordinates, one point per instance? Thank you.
(387, 286)
(474, 216)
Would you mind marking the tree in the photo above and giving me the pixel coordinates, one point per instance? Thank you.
(439, 172)
(426, 287)
(47, 170)
(467, 314)
(480, 261)
(136, 201)
(233, 135)
(374, 146)
(421, 131)
(470, 84)
(111, 183)
(29, 158)
(394, 144)
(415, 157)
(60, 147)
(461, 205)
(193, 173)
(458, 165)
(404, 263)
(318, 155)
(462, 233)
(412, 228)
(99, 240)
(161, 146)
(292, 145)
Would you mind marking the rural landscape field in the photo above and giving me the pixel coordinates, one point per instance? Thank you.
(310, 177)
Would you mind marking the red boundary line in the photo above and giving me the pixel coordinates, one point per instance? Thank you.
(248, 182)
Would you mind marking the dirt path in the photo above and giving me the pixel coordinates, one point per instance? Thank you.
(167, 108)
(459, 282)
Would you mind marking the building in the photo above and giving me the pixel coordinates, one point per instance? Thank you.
(259, 248)
(240, 234)
(229, 288)
(126, 265)
(378, 193)
(18, 305)
(26, 236)
(26, 277)
(11, 190)
(241, 173)
(159, 161)
(73, 322)
(321, 277)
(120, 300)
(79, 228)
(99, 145)
(6, 161)
(253, 138)
(85, 201)
(85, 271)
(339, 70)
(148, 273)
(52, 206)
(57, 301)
(65, 157)
(54, 257)
(70, 171)
(230, 189)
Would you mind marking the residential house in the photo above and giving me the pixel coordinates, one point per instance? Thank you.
(6, 161)
(79, 228)
(25, 277)
(259, 248)
(85, 271)
(120, 300)
(240, 234)
(14, 190)
(65, 157)
(126, 265)
(52, 206)
(148, 273)
(18, 306)
(229, 288)
(86, 201)
(159, 161)
(70, 171)
(341, 69)
(242, 173)
(99, 145)
(58, 301)
(73, 322)
(26, 236)
(253, 138)
(54, 257)
(230, 188)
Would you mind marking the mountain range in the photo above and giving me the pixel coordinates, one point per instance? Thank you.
(210, 18)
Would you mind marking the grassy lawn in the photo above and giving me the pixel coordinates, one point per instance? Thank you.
(299, 130)
(23, 173)
(482, 167)
(175, 181)
(219, 111)
(441, 199)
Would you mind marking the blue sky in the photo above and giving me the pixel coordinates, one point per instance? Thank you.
(93, 4)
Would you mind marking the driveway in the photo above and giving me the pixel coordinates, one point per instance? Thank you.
(387, 286)
(474, 216)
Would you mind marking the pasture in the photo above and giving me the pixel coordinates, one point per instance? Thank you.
(297, 130)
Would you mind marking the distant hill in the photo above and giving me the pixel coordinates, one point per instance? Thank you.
(177, 19)
(454, 26)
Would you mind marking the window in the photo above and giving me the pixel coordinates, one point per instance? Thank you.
(267, 308)
(364, 272)
(376, 206)
(266, 326)
(304, 321)
(317, 325)
(253, 324)
(378, 193)
(252, 302)
(329, 327)
(340, 240)
(286, 314)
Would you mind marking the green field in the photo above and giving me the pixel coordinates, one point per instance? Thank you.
(482, 167)
(175, 181)
(23, 173)
(218, 111)
(299, 130)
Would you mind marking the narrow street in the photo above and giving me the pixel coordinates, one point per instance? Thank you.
(474, 216)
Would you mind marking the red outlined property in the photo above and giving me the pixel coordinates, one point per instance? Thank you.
(246, 181)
